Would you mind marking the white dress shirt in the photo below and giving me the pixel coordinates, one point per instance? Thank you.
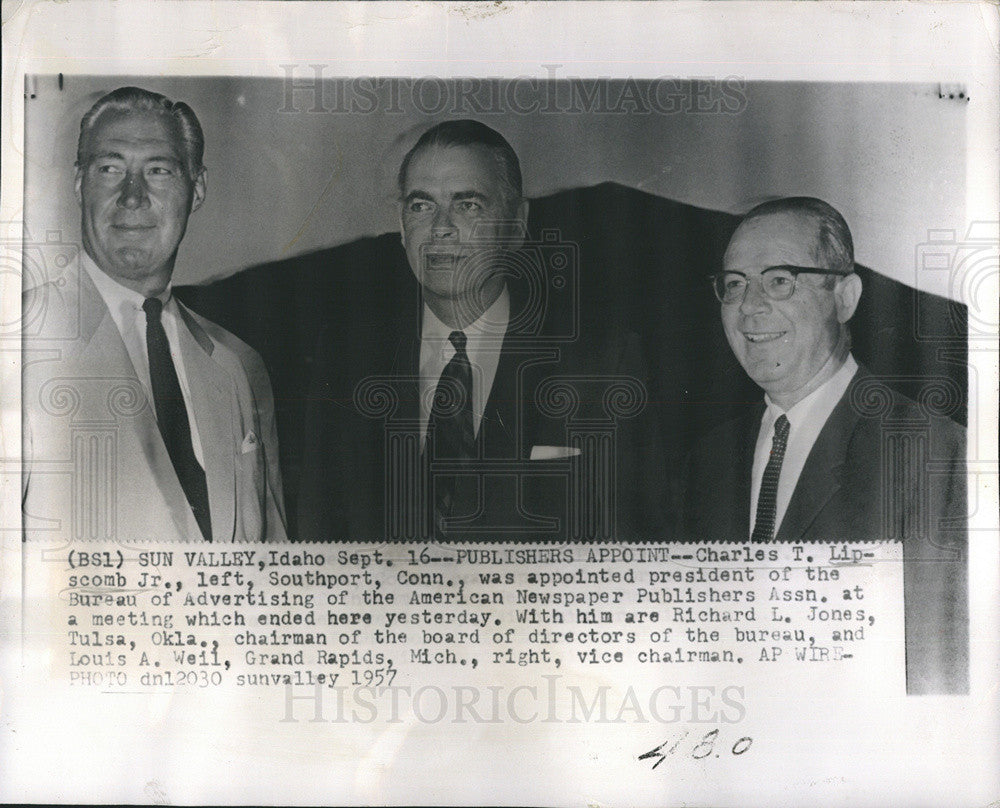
(126, 310)
(484, 343)
(806, 420)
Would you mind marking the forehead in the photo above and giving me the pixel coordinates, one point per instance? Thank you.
(453, 168)
(780, 238)
(144, 131)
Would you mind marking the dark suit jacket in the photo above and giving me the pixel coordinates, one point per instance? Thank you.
(553, 387)
(883, 468)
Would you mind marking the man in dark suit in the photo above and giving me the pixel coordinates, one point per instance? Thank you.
(832, 453)
(463, 405)
(142, 420)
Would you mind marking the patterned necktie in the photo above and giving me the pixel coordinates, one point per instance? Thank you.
(172, 418)
(763, 526)
(451, 424)
(451, 411)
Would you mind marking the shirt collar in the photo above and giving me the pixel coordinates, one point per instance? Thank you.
(817, 406)
(122, 302)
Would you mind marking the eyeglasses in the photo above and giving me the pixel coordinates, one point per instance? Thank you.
(778, 282)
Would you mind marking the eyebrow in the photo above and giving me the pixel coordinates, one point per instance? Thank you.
(460, 196)
(113, 155)
(416, 195)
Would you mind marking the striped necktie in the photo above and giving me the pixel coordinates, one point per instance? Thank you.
(763, 526)
(451, 410)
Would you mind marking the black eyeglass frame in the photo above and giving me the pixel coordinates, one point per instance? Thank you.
(793, 270)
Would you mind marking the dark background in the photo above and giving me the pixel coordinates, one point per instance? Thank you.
(643, 261)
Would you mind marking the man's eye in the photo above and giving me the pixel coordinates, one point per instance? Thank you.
(418, 206)
(778, 281)
(734, 283)
(468, 206)
(160, 171)
(108, 168)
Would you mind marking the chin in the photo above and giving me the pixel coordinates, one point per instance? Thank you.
(133, 260)
(767, 376)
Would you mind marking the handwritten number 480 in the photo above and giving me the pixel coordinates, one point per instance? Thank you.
(700, 750)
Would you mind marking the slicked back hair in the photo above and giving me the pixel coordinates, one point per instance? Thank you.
(473, 133)
(834, 245)
(136, 99)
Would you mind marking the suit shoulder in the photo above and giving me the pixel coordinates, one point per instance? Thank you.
(48, 307)
(248, 357)
(35, 295)
(892, 410)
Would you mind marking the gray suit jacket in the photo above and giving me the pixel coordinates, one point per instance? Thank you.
(95, 466)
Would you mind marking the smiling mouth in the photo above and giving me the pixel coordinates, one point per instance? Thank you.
(440, 260)
(763, 336)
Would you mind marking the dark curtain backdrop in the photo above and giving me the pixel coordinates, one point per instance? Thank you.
(643, 261)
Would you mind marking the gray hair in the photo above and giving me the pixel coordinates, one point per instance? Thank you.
(834, 245)
(136, 99)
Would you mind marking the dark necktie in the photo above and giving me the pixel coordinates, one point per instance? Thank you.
(763, 526)
(451, 424)
(171, 416)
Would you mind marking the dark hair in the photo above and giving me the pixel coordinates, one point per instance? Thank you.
(136, 99)
(472, 133)
(834, 245)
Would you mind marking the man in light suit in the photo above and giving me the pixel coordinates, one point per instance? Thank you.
(460, 401)
(142, 420)
(832, 453)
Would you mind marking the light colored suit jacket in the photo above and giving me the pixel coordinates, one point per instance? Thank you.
(95, 465)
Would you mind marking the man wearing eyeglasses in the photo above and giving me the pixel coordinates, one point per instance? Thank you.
(806, 463)
(832, 453)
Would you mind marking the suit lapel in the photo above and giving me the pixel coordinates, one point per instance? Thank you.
(511, 419)
(104, 350)
(822, 475)
(405, 361)
(499, 429)
(218, 419)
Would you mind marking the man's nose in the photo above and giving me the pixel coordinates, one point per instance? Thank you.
(134, 192)
(755, 300)
(443, 228)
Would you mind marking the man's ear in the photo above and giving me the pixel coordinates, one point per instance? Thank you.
(846, 295)
(77, 185)
(519, 226)
(198, 195)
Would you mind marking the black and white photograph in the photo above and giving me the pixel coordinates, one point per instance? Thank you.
(663, 392)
